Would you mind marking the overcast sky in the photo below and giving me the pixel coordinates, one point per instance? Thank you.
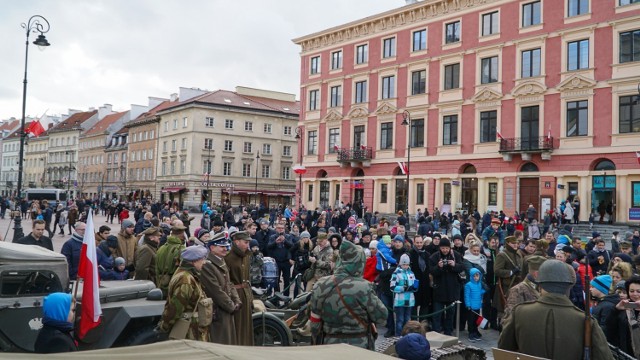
(122, 51)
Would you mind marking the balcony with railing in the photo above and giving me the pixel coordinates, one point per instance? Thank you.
(527, 146)
(355, 156)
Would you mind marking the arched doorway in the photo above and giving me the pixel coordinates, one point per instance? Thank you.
(529, 187)
(603, 191)
(325, 187)
(357, 191)
(469, 196)
(401, 190)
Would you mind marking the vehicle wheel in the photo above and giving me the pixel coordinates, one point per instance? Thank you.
(274, 333)
(145, 335)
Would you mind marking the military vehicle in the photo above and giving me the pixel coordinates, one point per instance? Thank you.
(131, 309)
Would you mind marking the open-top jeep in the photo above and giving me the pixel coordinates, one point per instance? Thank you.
(130, 309)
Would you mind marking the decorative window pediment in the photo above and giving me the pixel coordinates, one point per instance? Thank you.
(332, 115)
(486, 94)
(386, 108)
(576, 82)
(358, 112)
(528, 88)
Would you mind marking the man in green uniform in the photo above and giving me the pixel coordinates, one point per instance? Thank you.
(238, 263)
(146, 255)
(344, 307)
(168, 257)
(527, 290)
(552, 327)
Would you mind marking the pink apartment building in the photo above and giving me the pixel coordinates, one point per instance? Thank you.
(500, 103)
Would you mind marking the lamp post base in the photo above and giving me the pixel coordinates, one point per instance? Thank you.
(17, 229)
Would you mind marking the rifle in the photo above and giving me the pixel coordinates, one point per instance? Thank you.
(587, 314)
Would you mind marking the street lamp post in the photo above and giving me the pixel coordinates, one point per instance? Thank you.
(69, 169)
(299, 169)
(123, 173)
(39, 24)
(256, 189)
(406, 121)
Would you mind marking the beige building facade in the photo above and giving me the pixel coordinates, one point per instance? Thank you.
(235, 147)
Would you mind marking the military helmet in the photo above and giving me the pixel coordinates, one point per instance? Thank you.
(555, 271)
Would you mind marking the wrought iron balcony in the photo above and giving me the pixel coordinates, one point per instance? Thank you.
(531, 145)
(357, 154)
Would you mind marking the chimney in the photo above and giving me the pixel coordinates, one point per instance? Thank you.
(190, 93)
(173, 97)
(74, 111)
(104, 111)
(137, 110)
(155, 101)
(49, 126)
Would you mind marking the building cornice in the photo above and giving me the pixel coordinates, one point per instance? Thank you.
(386, 21)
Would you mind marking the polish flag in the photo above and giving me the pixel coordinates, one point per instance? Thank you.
(499, 135)
(549, 134)
(638, 157)
(362, 147)
(336, 148)
(35, 128)
(482, 323)
(88, 272)
(403, 167)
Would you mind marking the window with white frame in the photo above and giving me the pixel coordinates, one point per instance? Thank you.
(531, 14)
(630, 46)
(226, 169)
(313, 99)
(286, 130)
(334, 140)
(248, 126)
(228, 145)
(164, 146)
(361, 92)
(173, 167)
(174, 145)
(286, 150)
(312, 142)
(452, 76)
(489, 70)
(388, 87)
(450, 130)
(246, 170)
(362, 54)
(315, 65)
(531, 63)
(207, 167)
(488, 126)
(389, 47)
(228, 123)
(208, 122)
(184, 144)
(183, 166)
(164, 168)
(208, 143)
(175, 124)
(452, 32)
(386, 135)
(267, 128)
(166, 126)
(185, 122)
(266, 149)
(418, 82)
(490, 23)
(420, 40)
(286, 173)
(577, 7)
(336, 60)
(247, 148)
(577, 118)
(336, 96)
(266, 171)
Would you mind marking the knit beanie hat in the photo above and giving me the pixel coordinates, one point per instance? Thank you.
(305, 234)
(386, 239)
(602, 283)
(413, 347)
(404, 260)
(373, 244)
(119, 261)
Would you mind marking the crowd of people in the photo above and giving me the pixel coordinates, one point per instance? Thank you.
(490, 263)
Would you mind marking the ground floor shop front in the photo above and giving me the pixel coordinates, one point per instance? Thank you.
(608, 187)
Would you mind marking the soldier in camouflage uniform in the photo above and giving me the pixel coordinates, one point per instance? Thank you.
(527, 290)
(345, 306)
(168, 258)
(321, 259)
(184, 293)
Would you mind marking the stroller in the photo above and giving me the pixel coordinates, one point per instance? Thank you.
(269, 274)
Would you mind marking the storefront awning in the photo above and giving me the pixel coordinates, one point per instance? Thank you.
(265, 192)
(172, 189)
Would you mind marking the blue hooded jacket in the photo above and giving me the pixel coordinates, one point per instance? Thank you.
(55, 307)
(473, 291)
(385, 257)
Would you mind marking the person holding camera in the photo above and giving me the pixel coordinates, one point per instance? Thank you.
(507, 269)
(300, 259)
(445, 266)
(279, 248)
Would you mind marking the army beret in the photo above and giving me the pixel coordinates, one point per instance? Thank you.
(178, 228)
(535, 261)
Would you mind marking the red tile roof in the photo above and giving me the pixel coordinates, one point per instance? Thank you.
(103, 124)
(74, 121)
(9, 125)
(144, 117)
(233, 99)
(15, 134)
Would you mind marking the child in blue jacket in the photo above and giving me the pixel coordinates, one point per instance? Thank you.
(473, 292)
(403, 285)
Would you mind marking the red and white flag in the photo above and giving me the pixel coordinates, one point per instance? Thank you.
(35, 128)
(481, 322)
(88, 271)
(638, 157)
(499, 135)
(336, 148)
(403, 167)
(549, 134)
(363, 147)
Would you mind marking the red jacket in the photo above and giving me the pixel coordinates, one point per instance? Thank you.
(124, 215)
(370, 272)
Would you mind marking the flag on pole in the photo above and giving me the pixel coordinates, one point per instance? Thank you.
(499, 135)
(403, 167)
(481, 322)
(88, 272)
(549, 134)
(638, 157)
(35, 128)
(336, 148)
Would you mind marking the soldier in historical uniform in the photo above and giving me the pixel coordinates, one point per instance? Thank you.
(321, 259)
(552, 327)
(344, 306)
(507, 269)
(238, 263)
(217, 286)
(527, 290)
(146, 255)
(168, 257)
(184, 293)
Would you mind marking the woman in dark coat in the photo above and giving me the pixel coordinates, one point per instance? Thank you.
(57, 324)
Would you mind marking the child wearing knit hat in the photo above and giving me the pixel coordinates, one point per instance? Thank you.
(403, 285)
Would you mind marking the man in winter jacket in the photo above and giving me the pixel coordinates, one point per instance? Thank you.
(607, 301)
(146, 255)
(37, 236)
(263, 235)
(279, 249)
(445, 266)
(420, 267)
(72, 248)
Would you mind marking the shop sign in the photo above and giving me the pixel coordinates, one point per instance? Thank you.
(357, 184)
(560, 186)
(635, 188)
(174, 184)
(634, 214)
(218, 185)
(604, 182)
(455, 182)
